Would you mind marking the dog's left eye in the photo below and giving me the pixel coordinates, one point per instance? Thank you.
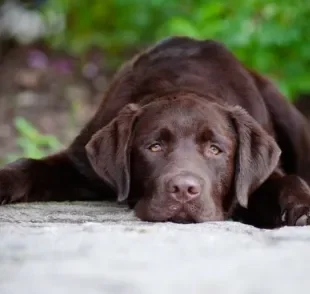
(214, 149)
(156, 147)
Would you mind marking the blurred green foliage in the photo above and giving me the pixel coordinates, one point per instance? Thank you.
(271, 36)
(113, 25)
(31, 142)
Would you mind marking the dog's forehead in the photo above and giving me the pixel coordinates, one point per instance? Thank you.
(181, 114)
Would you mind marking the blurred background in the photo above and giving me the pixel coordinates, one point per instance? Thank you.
(57, 56)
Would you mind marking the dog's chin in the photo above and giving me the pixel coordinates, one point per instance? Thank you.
(181, 217)
(151, 211)
(181, 220)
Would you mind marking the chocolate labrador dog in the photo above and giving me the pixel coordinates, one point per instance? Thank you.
(185, 133)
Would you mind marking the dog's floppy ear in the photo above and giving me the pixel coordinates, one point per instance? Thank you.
(257, 155)
(108, 151)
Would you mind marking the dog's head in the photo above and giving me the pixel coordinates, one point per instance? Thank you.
(183, 159)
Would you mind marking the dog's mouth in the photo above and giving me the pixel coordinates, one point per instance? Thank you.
(182, 217)
(183, 213)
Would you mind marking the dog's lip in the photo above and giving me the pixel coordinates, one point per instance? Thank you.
(182, 216)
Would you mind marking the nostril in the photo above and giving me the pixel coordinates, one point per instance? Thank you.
(193, 190)
(172, 188)
(175, 189)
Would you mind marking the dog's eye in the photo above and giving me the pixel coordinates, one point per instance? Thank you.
(156, 147)
(214, 149)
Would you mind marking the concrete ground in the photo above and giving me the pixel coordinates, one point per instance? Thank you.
(101, 248)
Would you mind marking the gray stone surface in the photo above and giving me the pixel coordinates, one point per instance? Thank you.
(102, 248)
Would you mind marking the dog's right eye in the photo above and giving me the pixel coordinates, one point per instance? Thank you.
(156, 147)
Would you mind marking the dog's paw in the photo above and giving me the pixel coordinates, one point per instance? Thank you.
(296, 215)
(13, 183)
(294, 202)
(9, 186)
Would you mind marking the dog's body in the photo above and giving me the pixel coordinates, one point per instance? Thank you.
(252, 162)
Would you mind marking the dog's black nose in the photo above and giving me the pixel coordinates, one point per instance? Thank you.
(184, 187)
